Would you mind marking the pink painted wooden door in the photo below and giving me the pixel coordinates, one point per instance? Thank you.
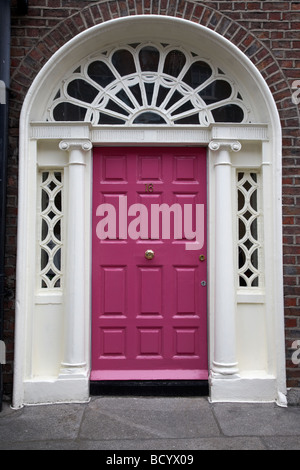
(149, 319)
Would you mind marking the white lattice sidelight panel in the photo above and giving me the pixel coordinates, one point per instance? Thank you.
(51, 206)
(249, 232)
(153, 84)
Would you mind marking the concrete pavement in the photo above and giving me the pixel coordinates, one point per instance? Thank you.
(116, 423)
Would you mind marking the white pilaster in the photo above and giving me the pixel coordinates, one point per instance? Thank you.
(224, 361)
(74, 361)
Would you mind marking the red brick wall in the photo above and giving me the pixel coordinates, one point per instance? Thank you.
(267, 32)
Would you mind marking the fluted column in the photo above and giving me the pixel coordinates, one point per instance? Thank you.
(224, 361)
(74, 361)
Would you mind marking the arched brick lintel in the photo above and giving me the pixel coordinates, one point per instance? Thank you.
(96, 13)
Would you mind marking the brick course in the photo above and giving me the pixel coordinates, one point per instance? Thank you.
(267, 32)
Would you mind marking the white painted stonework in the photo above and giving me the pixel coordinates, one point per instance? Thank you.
(245, 324)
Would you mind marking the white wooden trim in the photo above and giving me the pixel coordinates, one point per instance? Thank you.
(29, 388)
(148, 135)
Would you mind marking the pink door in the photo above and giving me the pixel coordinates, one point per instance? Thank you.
(149, 314)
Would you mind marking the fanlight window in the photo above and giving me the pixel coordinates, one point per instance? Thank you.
(148, 84)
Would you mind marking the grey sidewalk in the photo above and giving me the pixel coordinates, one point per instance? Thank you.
(150, 423)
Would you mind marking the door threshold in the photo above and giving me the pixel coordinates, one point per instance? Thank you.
(162, 388)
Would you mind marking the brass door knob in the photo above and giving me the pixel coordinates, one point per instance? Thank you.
(149, 254)
(202, 257)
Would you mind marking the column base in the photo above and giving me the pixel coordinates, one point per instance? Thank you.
(72, 371)
(225, 370)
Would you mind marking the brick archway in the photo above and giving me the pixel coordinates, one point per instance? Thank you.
(225, 24)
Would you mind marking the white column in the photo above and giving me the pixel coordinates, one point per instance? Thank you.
(74, 361)
(224, 361)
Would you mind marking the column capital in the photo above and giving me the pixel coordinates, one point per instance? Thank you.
(79, 144)
(231, 145)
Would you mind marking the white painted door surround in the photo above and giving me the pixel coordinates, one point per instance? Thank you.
(245, 306)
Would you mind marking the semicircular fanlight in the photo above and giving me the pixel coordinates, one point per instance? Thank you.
(147, 84)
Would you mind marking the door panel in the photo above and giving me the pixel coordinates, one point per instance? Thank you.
(149, 315)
